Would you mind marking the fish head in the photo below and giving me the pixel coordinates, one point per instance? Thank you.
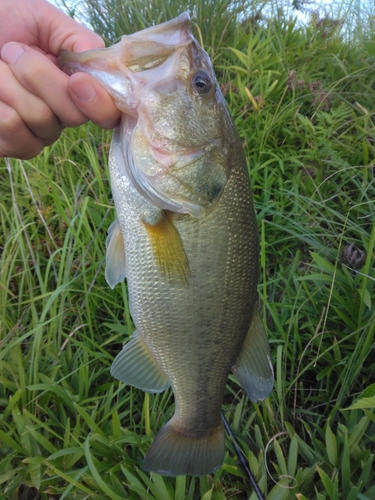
(175, 124)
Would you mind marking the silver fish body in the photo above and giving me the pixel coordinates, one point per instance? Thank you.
(185, 237)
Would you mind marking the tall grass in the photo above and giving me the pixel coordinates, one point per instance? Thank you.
(302, 99)
(216, 21)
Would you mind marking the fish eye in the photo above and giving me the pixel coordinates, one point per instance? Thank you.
(201, 82)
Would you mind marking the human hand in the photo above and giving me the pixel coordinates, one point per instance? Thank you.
(37, 100)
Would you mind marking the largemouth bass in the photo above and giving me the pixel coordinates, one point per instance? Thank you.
(185, 238)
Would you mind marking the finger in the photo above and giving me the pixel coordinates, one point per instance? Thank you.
(93, 100)
(16, 139)
(41, 77)
(35, 113)
(78, 40)
(57, 32)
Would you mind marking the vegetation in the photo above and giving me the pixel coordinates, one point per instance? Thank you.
(302, 97)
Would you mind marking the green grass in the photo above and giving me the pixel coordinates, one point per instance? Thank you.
(302, 99)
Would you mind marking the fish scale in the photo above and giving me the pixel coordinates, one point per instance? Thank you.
(185, 237)
(181, 319)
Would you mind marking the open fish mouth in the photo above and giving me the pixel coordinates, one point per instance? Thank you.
(115, 67)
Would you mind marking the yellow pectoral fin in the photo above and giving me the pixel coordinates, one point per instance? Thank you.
(168, 248)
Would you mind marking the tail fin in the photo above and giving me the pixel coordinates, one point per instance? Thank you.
(175, 454)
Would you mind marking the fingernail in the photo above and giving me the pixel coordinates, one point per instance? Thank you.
(11, 52)
(84, 91)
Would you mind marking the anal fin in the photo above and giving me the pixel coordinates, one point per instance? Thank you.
(168, 248)
(254, 368)
(136, 366)
(115, 256)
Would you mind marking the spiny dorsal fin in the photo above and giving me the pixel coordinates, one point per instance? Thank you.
(168, 248)
(253, 368)
(115, 256)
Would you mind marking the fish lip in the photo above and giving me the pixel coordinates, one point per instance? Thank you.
(128, 59)
(164, 30)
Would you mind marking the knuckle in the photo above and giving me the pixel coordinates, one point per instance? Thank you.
(15, 140)
(106, 117)
(32, 152)
(44, 114)
(31, 70)
(26, 152)
(79, 121)
(10, 121)
(53, 138)
(73, 119)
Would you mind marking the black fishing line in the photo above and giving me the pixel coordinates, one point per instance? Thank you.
(243, 460)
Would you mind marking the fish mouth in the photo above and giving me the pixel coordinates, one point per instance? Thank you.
(141, 72)
(152, 46)
(116, 67)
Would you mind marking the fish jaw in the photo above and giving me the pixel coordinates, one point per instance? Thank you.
(168, 148)
(115, 67)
